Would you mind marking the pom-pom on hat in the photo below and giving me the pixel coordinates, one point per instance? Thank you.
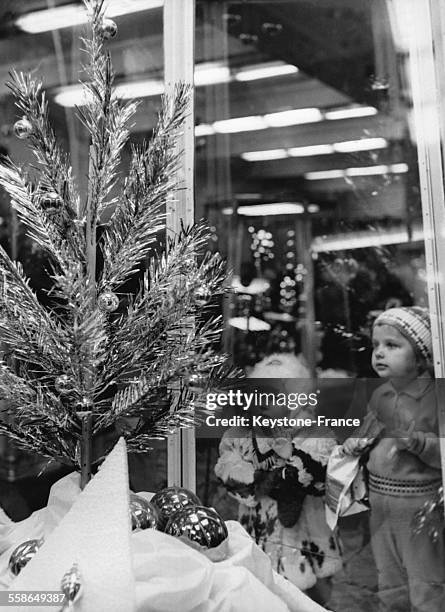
(413, 322)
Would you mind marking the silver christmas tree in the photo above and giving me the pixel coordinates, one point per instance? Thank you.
(97, 357)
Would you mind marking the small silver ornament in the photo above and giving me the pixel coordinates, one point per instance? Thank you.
(63, 384)
(201, 525)
(51, 202)
(202, 296)
(144, 515)
(23, 128)
(23, 554)
(71, 586)
(195, 382)
(85, 405)
(108, 28)
(170, 500)
(108, 301)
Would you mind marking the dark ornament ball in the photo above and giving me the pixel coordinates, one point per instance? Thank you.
(108, 28)
(171, 500)
(144, 514)
(203, 526)
(202, 296)
(63, 384)
(23, 554)
(108, 301)
(51, 202)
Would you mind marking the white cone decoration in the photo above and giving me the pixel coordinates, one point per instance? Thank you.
(95, 535)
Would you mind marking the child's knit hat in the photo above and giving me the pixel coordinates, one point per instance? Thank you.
(414, 324)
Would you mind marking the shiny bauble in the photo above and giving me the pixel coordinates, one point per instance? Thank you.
(108, 28)
(202, 296)
(195, 382)
(85, 405)
(23, 128)
(201, 525)
(171, 500)
(144, 515)
(23, 554)
(71, 585)
(108, 301)
(51, 202)
(64, 385)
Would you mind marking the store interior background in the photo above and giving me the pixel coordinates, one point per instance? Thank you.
(306, 169)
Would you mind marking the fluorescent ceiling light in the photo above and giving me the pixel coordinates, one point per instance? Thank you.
(272, 209)
(294, 117)
(70, 96)
(367, 171)
(364, 144)
(359, 171)
(324, 174)
(323, 149)
(76, 95)
(75, 14)
(139, 89)
(253, 156)
(350, 112)
(399, 168)
(249, 324)
(266, 210)
(265, 71)
(240, 124)
(209, 73)
(361, 240)
(203, 129)
(313, 208)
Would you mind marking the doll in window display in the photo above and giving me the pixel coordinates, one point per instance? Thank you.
(278, 477)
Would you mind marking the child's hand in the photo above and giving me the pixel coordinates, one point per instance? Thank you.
(403, 436)
(356, 446)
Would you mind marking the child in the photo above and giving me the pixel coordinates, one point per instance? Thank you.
(278, 478)
(404, 463)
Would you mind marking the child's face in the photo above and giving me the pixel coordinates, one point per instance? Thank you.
(392, 355)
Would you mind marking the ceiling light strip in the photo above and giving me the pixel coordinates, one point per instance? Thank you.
(71, 15)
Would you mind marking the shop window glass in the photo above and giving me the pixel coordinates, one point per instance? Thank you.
(307, 170)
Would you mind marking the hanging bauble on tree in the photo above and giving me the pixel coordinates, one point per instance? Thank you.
(144, 515)
(108, 29)
(23, 128)
(85, 404)
(170, 500)
(64, 384)
(51, 202)
(202, 526)
(195, 382)
(202, 296)
(23, 554)
(108, 301)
